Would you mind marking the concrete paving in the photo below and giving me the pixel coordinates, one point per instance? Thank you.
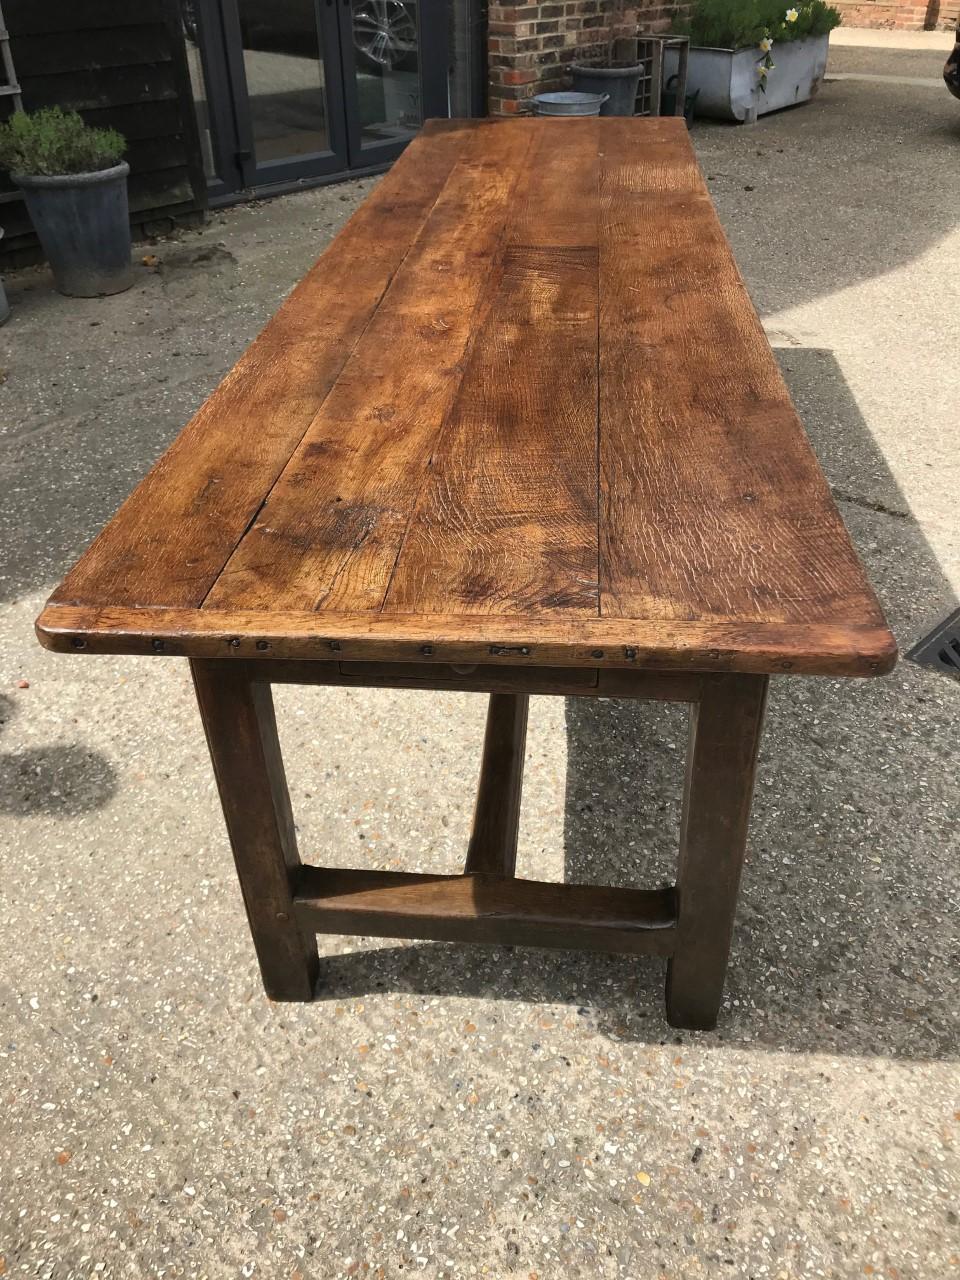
(890, 54)
(460, 1112)
(890, 42)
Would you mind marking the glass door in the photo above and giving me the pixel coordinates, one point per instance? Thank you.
(288, 90)
(285, 64)
(395, 73)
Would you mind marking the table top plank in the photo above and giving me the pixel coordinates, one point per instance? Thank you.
(546, 640)
(173, 535)
(507, 517)
(522, 410)
(330, 530)
(713, 503)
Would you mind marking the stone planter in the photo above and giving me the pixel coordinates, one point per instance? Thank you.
(83, 225)
(728, 83)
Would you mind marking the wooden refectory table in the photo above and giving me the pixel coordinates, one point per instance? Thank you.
(518, 431)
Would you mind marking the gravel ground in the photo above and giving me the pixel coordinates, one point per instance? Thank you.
(462, 1112)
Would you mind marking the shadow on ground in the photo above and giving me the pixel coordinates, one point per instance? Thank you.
(856, 184)
(61, 780)
(846, 941)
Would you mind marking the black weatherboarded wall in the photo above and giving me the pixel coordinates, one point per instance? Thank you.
(120, 63)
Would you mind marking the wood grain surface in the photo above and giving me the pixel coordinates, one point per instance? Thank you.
(523, 401)
(485, 908)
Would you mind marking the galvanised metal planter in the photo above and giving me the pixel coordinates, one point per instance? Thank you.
(83, 224)
(728, 84)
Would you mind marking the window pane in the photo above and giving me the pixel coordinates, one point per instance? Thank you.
(387, 56)
(283, 64)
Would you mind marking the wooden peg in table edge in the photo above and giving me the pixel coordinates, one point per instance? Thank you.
(761, 647)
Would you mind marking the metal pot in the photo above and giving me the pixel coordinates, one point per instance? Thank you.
(569, 104)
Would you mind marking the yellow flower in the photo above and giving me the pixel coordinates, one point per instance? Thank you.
(766, 44)
(761, 70)
(792, 15)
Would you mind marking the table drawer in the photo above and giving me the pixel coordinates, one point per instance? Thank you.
(493, 678)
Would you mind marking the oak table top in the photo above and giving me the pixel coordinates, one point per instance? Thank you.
(521, 411)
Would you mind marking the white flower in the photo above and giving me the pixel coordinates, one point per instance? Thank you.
(792, 15)
(761, 70)
(766, 44)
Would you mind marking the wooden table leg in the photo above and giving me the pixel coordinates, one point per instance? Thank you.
(241, 731)
(724, 737)
(496, 820)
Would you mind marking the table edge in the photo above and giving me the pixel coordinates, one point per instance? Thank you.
(832, 649)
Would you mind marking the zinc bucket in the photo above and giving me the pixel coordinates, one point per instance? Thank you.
(569, 103)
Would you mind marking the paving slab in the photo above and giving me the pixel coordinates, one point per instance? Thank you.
(883, 60)
(458, 1112)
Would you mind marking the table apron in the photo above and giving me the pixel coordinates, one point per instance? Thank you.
(651, 686)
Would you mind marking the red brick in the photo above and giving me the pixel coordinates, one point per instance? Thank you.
(526, 13)
(531, 43)
(903, 15)
(521, 75)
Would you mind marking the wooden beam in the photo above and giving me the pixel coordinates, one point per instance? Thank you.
(633, 644)
(241, 731)
(647, 686)
(721, 763)
(469, 677)
(478, 908)
(496, 818)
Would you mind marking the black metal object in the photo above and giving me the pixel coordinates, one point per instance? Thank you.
(941, 648)
(670, 98)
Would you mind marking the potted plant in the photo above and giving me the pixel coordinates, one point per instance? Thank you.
(609, 74)
(748, 57)
(74, 183)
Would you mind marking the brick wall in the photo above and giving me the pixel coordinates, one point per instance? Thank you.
(532, 45)
(903, 15)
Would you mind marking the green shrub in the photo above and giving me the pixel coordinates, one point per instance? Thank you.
(740, 24)
(52, 141)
